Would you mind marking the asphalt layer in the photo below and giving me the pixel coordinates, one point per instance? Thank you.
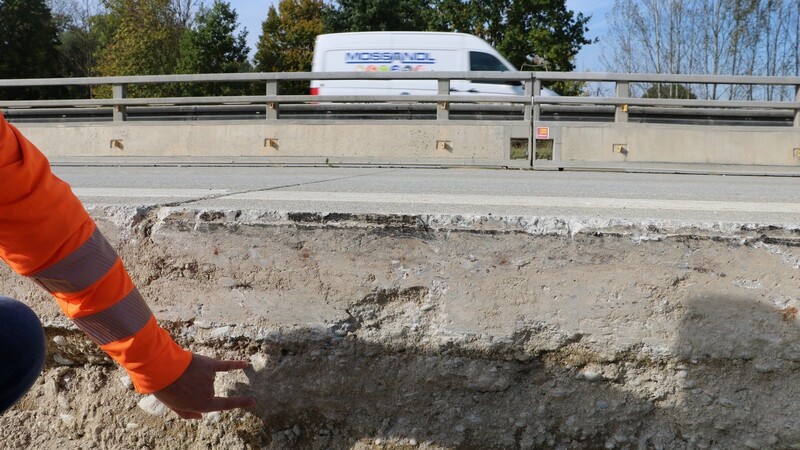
(605, 195)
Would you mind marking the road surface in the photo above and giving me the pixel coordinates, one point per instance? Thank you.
(635, 196)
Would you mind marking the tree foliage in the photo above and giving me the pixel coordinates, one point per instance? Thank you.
(78, 49)
(28, 45)
(716, 37)
(79, 39)
(379, 15)
(288, 34)
(212, 46)
(184, 11)
(669, 90)
(287, 39)
(146, 42)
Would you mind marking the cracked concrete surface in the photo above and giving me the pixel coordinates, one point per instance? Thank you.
(443, 331)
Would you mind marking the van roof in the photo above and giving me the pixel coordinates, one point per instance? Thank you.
(448, 33)
(349, 36)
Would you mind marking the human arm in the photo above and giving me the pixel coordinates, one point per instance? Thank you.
(47, 235)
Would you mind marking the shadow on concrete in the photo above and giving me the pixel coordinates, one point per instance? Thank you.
(729, 383)
(341, 391)
(739, 388)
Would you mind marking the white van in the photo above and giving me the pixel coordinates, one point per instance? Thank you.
(408, 51)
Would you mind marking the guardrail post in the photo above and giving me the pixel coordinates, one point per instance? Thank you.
(272, 107)
(529, 95)
(797, 111)
(118, 92)
(529, 92)
(537, 108)
(623, 91)
(443, 109)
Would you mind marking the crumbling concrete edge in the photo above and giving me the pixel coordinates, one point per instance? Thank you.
(142, 221)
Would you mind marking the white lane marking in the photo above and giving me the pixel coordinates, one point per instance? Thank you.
(528, 201)
(449, 199)
(147, 193)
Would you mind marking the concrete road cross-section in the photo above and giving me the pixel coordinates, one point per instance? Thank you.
(443, 309)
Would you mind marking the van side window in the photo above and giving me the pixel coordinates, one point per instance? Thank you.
(484, 61)
(487, 62)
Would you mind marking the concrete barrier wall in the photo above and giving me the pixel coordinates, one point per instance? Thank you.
(445, 143)
(661, 143)
(475, 143)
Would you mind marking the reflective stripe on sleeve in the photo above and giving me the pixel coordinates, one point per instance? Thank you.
(120, 321)
(81, 268)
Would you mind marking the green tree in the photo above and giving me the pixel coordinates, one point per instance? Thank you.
(78, 49)
(104, 26)
(669, 90)
(212, 46)
(28, 45)
(287, 39)
(77, 55)
(531, 34)
(84, 28)
(145, 42)
(79, 40)
(380, 15)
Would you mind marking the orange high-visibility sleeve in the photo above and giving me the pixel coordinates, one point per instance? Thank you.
(149, 369)
(47, 235)
(38, 211)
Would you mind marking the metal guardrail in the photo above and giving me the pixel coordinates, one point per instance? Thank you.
(609, 131)
(532, 106)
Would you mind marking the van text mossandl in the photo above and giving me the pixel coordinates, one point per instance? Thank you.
(389, 57)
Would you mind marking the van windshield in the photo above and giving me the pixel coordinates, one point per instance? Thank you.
(479, 61)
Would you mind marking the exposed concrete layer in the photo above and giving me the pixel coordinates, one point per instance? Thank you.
(770, 146)
(487, 143)
(378, 331)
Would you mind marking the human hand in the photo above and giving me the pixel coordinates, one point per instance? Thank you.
(193, 393)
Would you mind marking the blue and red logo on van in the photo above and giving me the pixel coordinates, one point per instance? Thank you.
(389, 61)
(404, 58)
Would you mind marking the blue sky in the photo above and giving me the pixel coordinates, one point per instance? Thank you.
(253, 12)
